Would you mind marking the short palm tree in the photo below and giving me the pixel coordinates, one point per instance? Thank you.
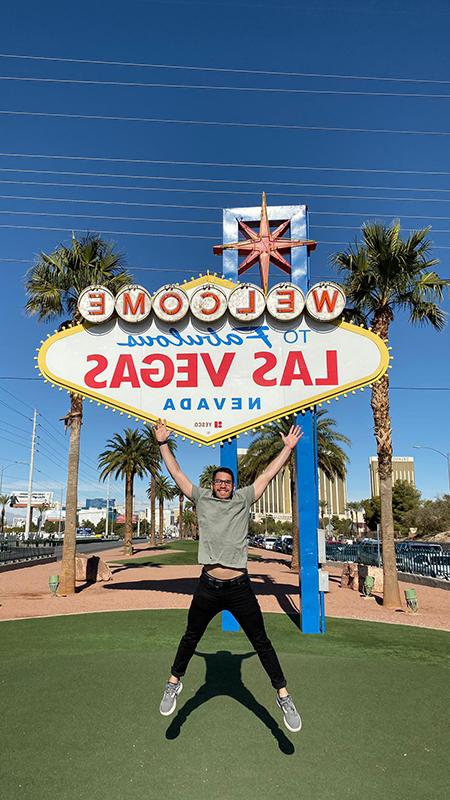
(383, 274)
(206, 476)
(354, 506)
(154, 468)
(52, 287)
(164, 490)
(125, 457)
(332, 460)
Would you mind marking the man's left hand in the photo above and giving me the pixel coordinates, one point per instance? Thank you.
(293, 437)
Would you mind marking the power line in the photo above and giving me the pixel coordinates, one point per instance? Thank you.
(159, 235)
(234, 165)
(19, 400)
(11, 408)
(222, 123)
(222, 180)
(198, 68)
(128, 203)
(160, 220)
(221, 88)
(236, 192)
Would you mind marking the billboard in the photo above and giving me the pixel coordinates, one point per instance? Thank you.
(37, 499)
(214, 358)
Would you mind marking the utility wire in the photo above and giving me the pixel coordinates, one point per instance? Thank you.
(237, 192)
(41, 199)
(160, 220)
(197, 68)
(159, 235)
(221, 88)
(234, 165)
(221, 123)
(222, 180)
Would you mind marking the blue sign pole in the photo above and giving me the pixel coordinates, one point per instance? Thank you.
(228, 450)
(307, 473)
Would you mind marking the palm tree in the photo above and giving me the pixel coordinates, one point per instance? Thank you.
(206, 476)
(125, 457)
(354, 506)
(323, 507)
(385, 273)
(190, 519)
(331, 459)
(164, 490)
(154, 467)
(52, 287)
(4, 500)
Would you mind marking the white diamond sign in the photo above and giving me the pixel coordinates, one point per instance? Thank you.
(212, 380)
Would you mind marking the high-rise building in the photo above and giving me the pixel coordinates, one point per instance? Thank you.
(276, 500)
(402, 470)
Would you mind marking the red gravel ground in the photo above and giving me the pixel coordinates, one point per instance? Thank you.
(24, 592)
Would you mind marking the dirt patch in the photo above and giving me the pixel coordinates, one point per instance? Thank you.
(162, 586)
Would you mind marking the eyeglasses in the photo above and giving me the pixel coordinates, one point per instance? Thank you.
(225, 483)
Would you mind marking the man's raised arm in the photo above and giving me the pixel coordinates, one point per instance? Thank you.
(162, 437)
(262, 481)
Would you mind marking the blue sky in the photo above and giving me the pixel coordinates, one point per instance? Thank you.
(345, 177)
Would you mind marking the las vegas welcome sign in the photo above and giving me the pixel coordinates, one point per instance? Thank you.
(214, 358)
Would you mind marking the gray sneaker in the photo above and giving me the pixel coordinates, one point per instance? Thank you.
(169, 698)
(292, 718)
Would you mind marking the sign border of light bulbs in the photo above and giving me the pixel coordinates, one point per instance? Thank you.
(210, 333)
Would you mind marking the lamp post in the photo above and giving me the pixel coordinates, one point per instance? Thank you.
(6, 466)
(444, 455)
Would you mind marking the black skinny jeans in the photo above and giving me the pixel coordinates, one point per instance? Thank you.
(241, 601)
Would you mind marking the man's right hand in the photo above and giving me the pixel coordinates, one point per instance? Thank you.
(161, 431)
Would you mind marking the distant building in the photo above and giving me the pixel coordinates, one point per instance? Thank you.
(276, 500)
(402, 470)
(100, 502)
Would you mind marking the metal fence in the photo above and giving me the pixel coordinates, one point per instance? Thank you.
(432, 564)
(16, 551)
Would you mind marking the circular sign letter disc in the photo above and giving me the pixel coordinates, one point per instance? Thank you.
(96, 304)
(208, 303)
(247, 302)
(170, 304)
(133, 303)
(325, 301)
(285, 301)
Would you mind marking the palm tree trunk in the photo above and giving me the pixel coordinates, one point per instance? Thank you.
(73, 421)
(295, 562)
(161, 520)
(383, 436)
(128, 538)
(152, 511)
(180, 515)
(3, 518)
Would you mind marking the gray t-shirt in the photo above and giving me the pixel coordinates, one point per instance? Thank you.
(223, 526)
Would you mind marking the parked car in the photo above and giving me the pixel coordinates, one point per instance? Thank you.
(287, 545)
(278, 546)
(269, 543)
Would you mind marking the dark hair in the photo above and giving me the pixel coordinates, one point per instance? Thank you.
(223, 469)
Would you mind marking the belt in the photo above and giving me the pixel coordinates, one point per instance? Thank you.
(216, 583)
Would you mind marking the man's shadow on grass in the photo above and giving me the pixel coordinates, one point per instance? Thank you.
(223, 677)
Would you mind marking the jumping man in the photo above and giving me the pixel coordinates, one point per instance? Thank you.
(223, 514)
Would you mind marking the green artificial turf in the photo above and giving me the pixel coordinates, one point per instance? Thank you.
(180, 552)
(80, 694)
